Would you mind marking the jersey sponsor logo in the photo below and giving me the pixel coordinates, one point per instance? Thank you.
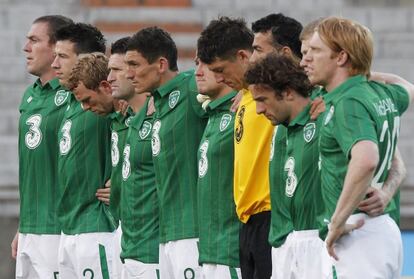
(225, 121)
(291, 180)
(239, 130)
(155, 140)
(66, 141)
(272, 145)
(126, 164)
(203, 162)
(60, 97)
(114, 148)
(173, 98)
(309, 131)
(329, 115)
(34, 136)
(145, 130)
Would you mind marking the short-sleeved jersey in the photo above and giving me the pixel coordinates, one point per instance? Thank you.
(139, 200)
(119, 130)
(252, 139)
(178, 126)
(218, 222)
(296, 193)
(84, 165)
(358, 110)
(41, 113)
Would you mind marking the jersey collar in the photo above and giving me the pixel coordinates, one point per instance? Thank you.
(53, 83)
(171, 84)
(302, 118)
(328, 97)
(217, 103)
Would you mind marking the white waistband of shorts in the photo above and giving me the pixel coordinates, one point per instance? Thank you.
(305, 233)
(355, 217)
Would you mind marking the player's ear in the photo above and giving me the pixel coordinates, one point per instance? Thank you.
(105, 87)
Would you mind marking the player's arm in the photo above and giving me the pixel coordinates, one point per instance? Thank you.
(378, 199)
(394, 79)
(104, 194)
(361, 168)
(14, 245)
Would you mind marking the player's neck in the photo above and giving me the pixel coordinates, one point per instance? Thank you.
(137, 102)
(47, 76)
(298, 107)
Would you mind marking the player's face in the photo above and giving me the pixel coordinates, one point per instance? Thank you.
(304, 50)
(65, 60)
(230, 72)
(320, 61)
(39, 52)
(274, 108)
(122, 87)
(97, 101)
(145, 77)
(206, 83)
(262, 45)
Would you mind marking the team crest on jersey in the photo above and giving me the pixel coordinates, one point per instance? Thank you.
(225, 121)
(60, 97)
(203, 162)
(309, 131)
(329, 115)
(128, 121)
(239, 130)
(145, 130)
(155, 140)
(173, 98)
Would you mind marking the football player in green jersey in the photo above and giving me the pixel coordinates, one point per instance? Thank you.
(357, 142)
(282, 90)
(84, 166)
(377, 200)
(138, 198)
(178, 125)
(35, 246)
(218, 222)
(225, 45)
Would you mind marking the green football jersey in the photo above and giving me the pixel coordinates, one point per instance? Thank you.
(178, 126)
(218, 221)
(139, 200)
(358, 110)
(296, 185)
(41, 113)
(84, 165)
(119, 130)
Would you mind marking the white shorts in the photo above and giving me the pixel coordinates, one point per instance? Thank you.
(299, 257)
(37, 256)
(218, 271)
(372, 251)
(117, 266)
(179, 259)
(138, 270)
(86, 255)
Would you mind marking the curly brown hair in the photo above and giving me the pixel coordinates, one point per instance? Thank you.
(91, 69)
(278, 73)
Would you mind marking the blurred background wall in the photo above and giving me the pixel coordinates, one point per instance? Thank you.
(391, 21)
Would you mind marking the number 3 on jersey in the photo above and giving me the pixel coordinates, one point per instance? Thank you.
(291, 180)
(66, 141)
(34, 136)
